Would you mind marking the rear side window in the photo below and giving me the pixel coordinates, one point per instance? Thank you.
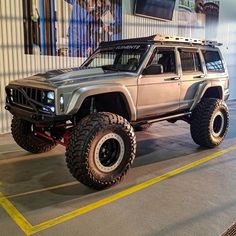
(213, 61)
(190, 61)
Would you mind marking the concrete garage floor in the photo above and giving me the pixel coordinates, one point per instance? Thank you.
(38, 190)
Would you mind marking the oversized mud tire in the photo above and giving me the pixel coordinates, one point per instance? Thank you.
(25, 137)
(142, 127)
(101, 150)
(210, 122)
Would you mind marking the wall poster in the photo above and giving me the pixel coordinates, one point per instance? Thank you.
(71, 28)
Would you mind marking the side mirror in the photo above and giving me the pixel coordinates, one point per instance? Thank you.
(153, 69)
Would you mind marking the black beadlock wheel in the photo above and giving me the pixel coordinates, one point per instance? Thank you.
(23, 134)
(101, 150)
(210, 122)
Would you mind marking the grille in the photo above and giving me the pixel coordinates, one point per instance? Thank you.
(18, 97)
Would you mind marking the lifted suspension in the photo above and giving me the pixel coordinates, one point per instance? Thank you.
(65, 137)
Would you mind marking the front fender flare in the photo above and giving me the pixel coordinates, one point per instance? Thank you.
(81, 94)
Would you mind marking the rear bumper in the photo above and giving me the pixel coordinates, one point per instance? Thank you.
(226, 95)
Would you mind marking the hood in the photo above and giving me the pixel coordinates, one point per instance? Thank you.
(57, 78)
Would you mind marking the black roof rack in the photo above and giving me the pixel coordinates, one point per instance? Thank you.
(164, 39)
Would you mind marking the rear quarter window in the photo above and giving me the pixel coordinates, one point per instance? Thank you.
(213, 61)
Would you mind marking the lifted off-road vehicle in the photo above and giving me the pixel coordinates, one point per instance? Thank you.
(125, 85)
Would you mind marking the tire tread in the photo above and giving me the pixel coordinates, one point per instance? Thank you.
(78, 148)
(200, 123)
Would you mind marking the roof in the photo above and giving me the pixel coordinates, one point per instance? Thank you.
(163, 39)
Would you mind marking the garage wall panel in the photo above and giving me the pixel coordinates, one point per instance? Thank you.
(15, 64)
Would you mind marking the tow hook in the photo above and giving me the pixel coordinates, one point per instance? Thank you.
(7, 108)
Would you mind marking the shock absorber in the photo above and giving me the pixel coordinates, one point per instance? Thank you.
(93, 106)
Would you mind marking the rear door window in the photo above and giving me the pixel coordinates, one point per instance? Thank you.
(190, 61)
(213, 61)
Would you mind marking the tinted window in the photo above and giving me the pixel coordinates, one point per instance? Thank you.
(213, 61)
(190, 61)
(166, 58)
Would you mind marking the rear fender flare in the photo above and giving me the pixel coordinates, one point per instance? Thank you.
(203, 87)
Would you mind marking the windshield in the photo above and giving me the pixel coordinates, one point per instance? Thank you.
(119, 58)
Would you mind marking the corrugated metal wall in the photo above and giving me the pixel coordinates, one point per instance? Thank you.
(15, 64)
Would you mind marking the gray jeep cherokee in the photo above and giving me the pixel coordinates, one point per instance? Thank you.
(125, 85)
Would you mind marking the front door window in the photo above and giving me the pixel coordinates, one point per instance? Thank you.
(165, 58)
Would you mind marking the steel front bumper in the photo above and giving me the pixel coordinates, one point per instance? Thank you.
(31, 110)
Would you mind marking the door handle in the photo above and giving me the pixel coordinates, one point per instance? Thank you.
(199, 77)
(172, 79)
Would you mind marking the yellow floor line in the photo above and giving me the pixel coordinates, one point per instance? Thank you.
(28, 229)
(122, 194)
(16, 215)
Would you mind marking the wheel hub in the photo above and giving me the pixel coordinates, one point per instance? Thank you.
(109, 152)
(218, 123)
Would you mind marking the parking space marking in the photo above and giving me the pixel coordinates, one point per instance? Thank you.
(19, 219)
(30, 230)
(43, 190)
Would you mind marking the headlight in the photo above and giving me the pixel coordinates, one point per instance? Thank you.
(51, 95)
(50, 98)
(11, 95)
(52, 109)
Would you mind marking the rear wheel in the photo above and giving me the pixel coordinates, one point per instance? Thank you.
(23, 134)
(101, 150)
(210, 123)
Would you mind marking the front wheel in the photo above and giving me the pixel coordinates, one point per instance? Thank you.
(24, 135)
(210, 122)
(101, 150)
